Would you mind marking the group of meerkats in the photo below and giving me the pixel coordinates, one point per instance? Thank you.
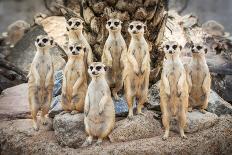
(87, 85)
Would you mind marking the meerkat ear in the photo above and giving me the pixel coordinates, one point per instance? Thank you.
(206, 50)
(121, 22)
(67, 29)
(105, 68)
(180, 47)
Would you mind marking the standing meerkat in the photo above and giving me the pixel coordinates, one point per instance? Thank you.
(74, 28)
(74, 82)
(99, 107)
(137, 68)
(41, 79)
(113, 55)
(199, 79)
(173, 88)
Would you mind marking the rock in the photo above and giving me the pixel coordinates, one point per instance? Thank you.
(69, 129)
(189, 20)
(16, 31)
(24, 51)
(153, 97)
(58, 83)
(18, 137)
(141, 127)
(121, 108)
(196, 121)
(218, 106)
(214, 28)
(14, 103)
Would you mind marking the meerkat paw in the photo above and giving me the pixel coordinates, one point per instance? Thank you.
(63, 112)
(183, 136)
(35, 126)
(141, 113)
(203, 111)
(190, 109)
(165, 137)
(87, 142)
(74, 112)
(116, 97)
(130, 117)
(44, 121)
(99, 142)
(167, 91)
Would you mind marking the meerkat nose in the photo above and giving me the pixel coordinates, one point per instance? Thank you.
(40, 44)
(93, 72)
(134, 31)
(192, 50)
(170, 52)
(111, 27)
(73, 52)
(72, 28)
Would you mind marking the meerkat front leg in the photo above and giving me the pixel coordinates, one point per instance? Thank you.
(134, 63)
(144, 63)
(102, 102)
(180, 83)
(206, 90)
(108, 58)
(49, 76)
(75, 97)
(123, 57)
(36, 75)
(64, 98)
(189, 81)
(166, 84)
(87, 105)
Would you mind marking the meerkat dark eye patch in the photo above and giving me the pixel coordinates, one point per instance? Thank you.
(192, 46)
(167, 47)
(37, 40)
(116, 23)
(69, 23)
(78, 48)
(131, 27)
(199, 47)
(78, 23)
(71, 48)
(138, 27)
(109, 23)
(45, 40)
(98, 68)
(51, 42)
(174, 47)
(91, 67)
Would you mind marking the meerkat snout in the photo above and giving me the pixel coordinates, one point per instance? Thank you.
(136, 27)
(74, 24)
(97, 69)
(113, 24)
(44, 41)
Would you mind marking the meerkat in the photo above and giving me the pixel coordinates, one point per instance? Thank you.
(173, 88)
(137, 68)
(74, 28)
(99, 111)
(40, 81)
(74, 81)
(199, 79)
(113, 56)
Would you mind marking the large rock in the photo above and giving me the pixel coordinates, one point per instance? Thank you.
(14, 102)
(153, 97)
(218, 106)
(24, 51)
(139, 128)
(69, 129)
(196, 121)
(55, 107)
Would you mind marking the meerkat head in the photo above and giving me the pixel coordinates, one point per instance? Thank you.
(76, 49)
(136, 28)
(171, 48)
(113, 25)
(74, 24)
(198, 49)
(97, 69)
(44, 41)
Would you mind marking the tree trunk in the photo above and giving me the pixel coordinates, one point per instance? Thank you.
(95, 13)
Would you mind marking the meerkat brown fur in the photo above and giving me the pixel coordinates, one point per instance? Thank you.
(74, 81)
(99, 107)
(173, 88)
(199, 78)
(137, 68)
(114, 54)
(74, 28)
(41, 79)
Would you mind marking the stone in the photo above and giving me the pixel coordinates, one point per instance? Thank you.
(55, 107)
(18, 137)
(214, 28)
(14, 102)
(24, 51)
(196, 121)
(139, 127)
(16, 31)
(217, 105)
(58, 83)
(69, 129)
